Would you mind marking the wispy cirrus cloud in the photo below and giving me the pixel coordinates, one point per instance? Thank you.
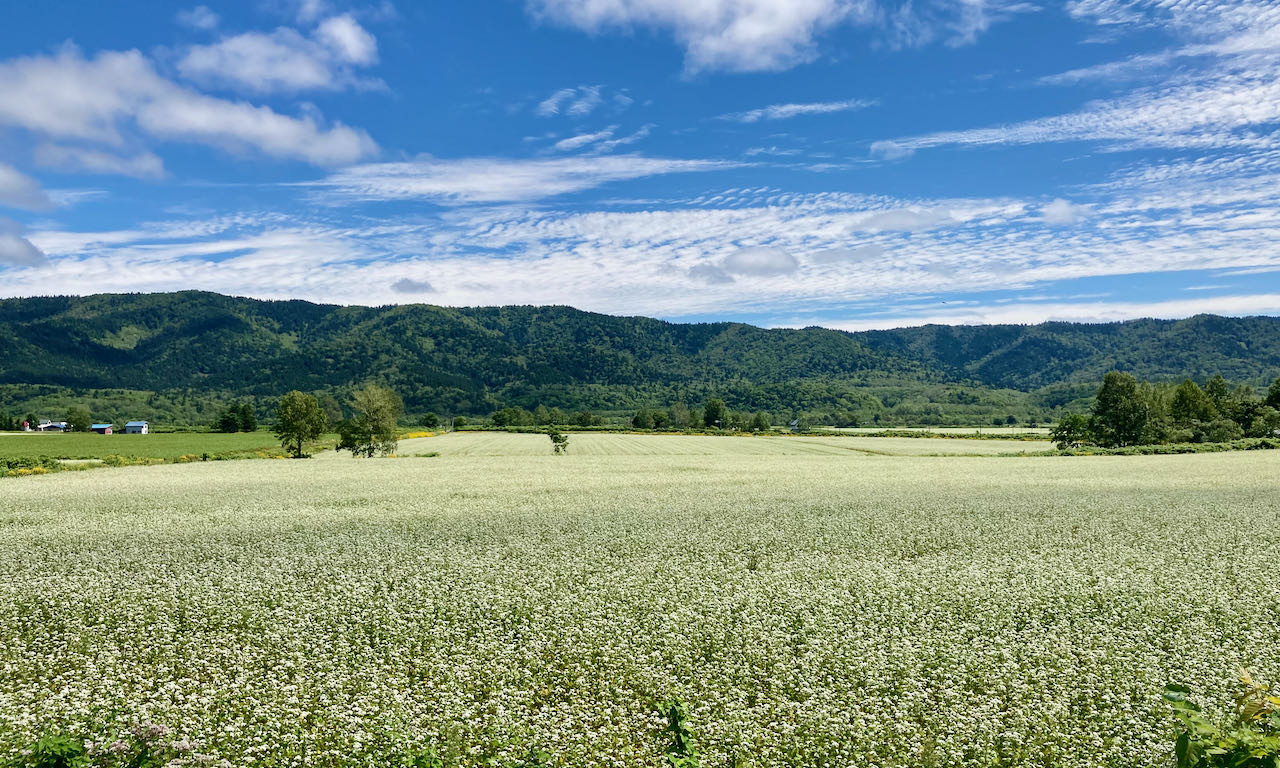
(742, 250)
(492, 180)
(574, 102)
(1028, 313)
(788, 111)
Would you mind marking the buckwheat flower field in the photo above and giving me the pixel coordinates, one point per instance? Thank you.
(810, 609)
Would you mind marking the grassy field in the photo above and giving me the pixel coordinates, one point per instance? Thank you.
(161, 445)
(812, 610)
(617, 444)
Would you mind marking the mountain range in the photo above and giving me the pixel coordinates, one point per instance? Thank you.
(181, 354)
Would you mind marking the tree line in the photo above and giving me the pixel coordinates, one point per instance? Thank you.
(1129, 412)
(713, 414)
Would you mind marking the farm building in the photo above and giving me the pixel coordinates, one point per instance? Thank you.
(135, 428)
(102, 429)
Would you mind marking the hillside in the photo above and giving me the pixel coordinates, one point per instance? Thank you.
(204, 347)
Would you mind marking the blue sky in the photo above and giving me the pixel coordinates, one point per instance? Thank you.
(847, 163)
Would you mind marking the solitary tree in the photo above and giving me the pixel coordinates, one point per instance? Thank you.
(559, 441)
(1120, 411)
(373, 429)
(78, 419)
(298, 419)
(714, 414)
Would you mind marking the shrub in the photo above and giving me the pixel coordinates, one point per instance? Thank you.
(1250, 738)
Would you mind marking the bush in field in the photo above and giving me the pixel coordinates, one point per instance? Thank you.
(299, 419)
(559, 441)
(1072, 431)
(682, 749)
(146, 746)
(373, 430)
(1249, 739)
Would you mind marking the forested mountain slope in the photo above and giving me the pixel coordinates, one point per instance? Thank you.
(1027, 357)
(470, 360)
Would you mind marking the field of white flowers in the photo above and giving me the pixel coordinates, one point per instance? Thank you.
(811, 610)
(740, 444)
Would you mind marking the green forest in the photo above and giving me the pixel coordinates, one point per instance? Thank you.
(184, 358)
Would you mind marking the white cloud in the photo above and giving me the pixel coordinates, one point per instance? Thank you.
(143, 165)
(311, 10)
(1063, 212)
(788, 111)
(870, 252)
(1216, 89)
(285, 60)
(490, 180)
(764, 35)
(1079, 312)
(741, 35)
(98, 100)
(760, 262)
(16, 250)
(710, 274)
(199, 17)
(955, 23)
(740, 250)
(407, 285)
(17, 190)
(890, 150)
(350, 41)
(1216, 114)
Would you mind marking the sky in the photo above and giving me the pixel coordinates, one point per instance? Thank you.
(846, 163)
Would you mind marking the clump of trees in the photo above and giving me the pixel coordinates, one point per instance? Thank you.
(238, 417)
(299, 419)
(374, 429)
(1128, 412)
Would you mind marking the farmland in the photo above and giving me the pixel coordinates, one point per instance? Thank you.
(612, 444)
(161, 445)
(812, 609)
